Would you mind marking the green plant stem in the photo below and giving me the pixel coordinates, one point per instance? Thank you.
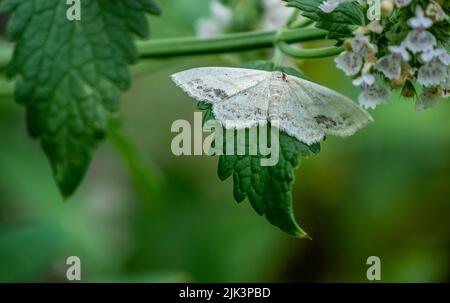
(190, 46)
(309, 53)
(6, 50)
(278, 57)
(301, 23)
(293, 18)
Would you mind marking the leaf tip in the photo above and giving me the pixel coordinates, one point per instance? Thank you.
(68, 175)
(302, 235)
(66, 191)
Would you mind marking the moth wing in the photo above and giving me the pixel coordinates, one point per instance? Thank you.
(331, 111)
(294, 117)
(245, 108)
(215, 84)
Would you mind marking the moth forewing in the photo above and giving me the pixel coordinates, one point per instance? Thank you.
(245, 109)
(335, 113)
(216, 84)
(295, 116)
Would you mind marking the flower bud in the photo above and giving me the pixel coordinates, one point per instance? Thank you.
(360, 31)
(375, 27)
(348, 45)
(387, 6)
(435, 12)
(408, 90)
(371, 55)
(400, 82)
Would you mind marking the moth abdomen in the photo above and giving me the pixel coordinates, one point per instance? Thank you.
(276, 85)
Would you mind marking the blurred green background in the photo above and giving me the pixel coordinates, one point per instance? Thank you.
(383, 192)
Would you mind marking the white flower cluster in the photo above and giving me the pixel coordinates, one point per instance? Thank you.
(275, 14)
(417, 59)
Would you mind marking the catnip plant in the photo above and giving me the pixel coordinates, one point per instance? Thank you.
(407, 49)
(69, 75)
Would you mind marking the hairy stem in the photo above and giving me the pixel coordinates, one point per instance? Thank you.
(175, 47)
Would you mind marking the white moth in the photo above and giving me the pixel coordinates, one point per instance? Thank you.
(242, 98)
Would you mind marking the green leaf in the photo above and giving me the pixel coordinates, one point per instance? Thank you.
(70, 73)
(340, 23)
(145, 174)
(268, 188)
